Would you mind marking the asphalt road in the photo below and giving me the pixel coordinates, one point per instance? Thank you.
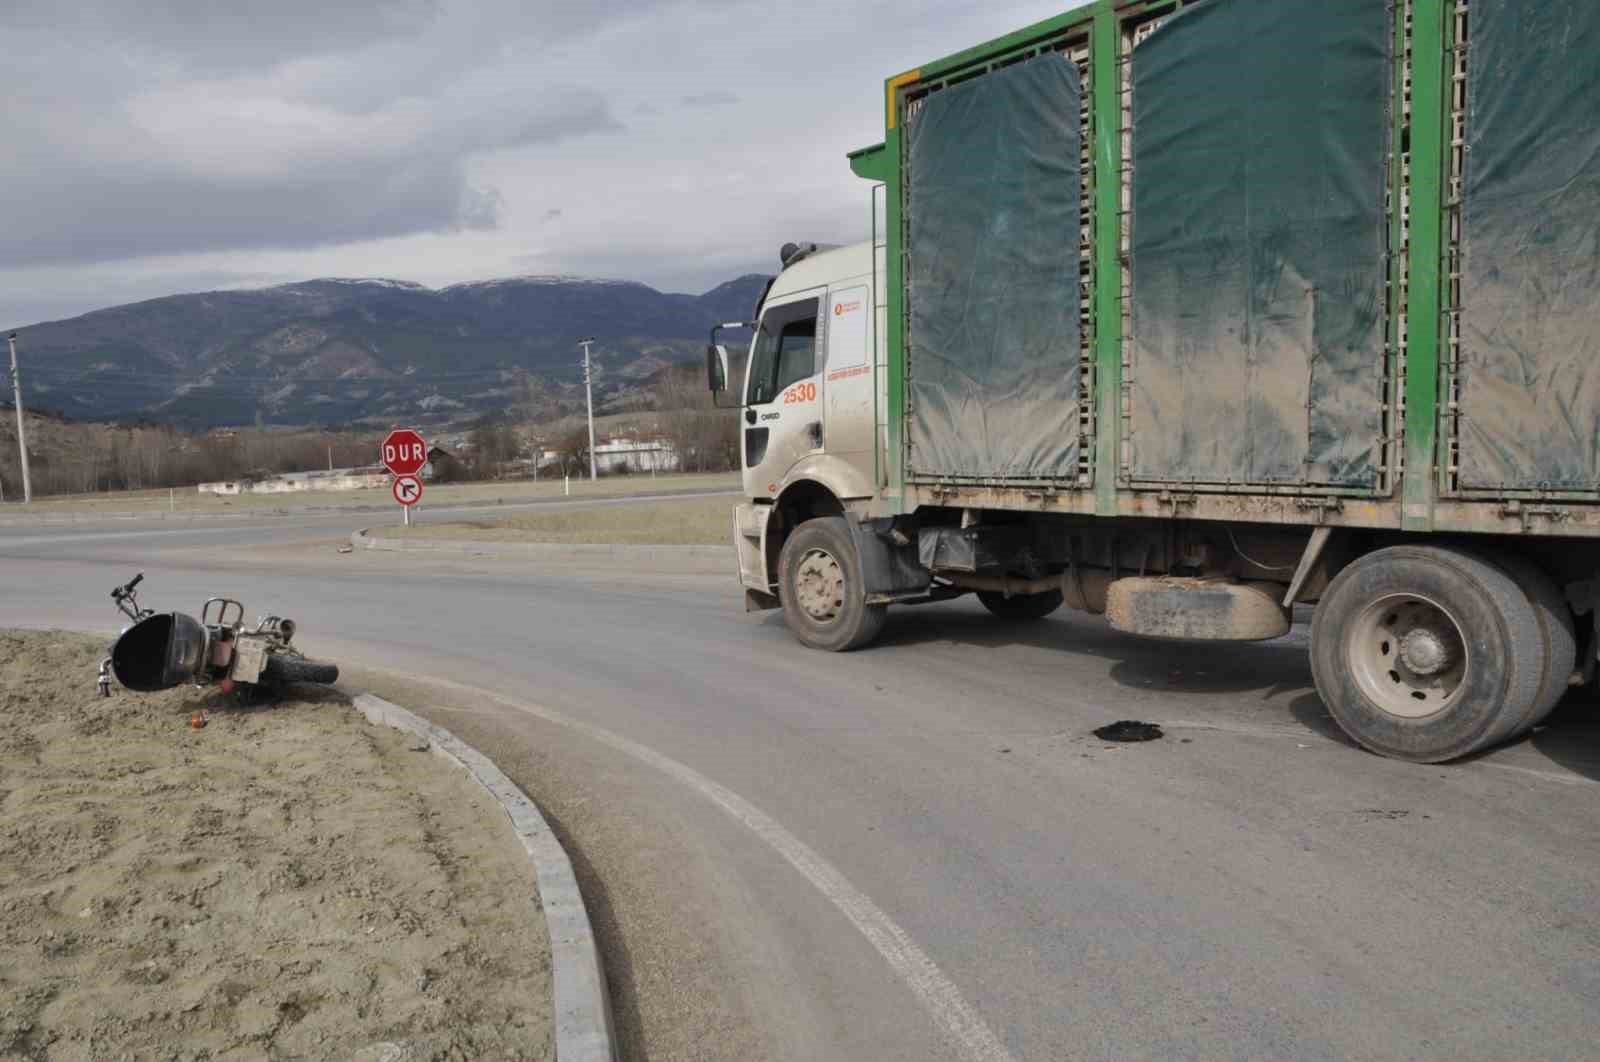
(919, 851)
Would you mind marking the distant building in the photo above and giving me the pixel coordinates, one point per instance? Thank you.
(365, 478)
(443, 466)
(628, 453)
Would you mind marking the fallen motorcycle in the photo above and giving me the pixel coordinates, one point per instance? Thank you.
(166, 649)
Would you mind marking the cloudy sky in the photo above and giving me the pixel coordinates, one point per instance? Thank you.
(157, 146)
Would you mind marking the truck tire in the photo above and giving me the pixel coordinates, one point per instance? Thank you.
(1426, 654)
(1021, 608)
(283, 670)
(824, 599)
(1557, 628)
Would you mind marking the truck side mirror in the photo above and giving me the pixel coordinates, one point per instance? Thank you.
(716, 368)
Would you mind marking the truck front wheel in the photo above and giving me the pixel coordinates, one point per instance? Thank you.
(1426, 654)
(824, 599)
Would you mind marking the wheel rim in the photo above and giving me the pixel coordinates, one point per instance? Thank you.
(819, 585)
(1409, 655)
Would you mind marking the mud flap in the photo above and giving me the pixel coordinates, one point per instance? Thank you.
(756, 601)
(889, 572)
(749, 543)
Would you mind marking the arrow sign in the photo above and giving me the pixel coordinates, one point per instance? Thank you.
(407, 490)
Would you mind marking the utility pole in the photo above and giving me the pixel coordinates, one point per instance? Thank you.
(22, 434)
(588, 387)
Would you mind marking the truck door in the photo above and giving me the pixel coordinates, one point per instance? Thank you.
(783, 392)
(847, 429)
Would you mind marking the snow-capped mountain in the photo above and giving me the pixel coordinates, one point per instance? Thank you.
(360, 350)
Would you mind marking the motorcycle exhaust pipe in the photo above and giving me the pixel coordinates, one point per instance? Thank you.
(159, 652)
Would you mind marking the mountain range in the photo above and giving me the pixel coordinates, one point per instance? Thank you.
(367, 352)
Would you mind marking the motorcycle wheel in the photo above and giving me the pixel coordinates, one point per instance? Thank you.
(280, 670)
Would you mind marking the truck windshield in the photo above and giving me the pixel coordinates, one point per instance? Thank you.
(785, 350)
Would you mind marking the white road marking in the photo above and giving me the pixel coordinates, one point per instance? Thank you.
(937, 993)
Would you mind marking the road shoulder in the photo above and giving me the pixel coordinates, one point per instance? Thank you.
(583, 1024)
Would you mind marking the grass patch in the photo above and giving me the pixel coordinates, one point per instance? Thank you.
(686, 522)
(187, 500)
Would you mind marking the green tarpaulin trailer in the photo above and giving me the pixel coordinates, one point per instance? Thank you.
(1180, 306)
(1340, 251)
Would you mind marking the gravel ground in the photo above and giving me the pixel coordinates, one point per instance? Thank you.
(287, 881)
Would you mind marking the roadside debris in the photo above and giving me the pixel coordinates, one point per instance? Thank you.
(1384, 814)
(1129, 730)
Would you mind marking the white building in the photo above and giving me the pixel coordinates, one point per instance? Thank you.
(297, 482)
(627, 453)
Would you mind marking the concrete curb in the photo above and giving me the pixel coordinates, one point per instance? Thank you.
(554, 550)
(584, 1031)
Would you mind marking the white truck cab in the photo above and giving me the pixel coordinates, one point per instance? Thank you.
(808, 420)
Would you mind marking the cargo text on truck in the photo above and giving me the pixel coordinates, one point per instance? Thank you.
(1187, 314)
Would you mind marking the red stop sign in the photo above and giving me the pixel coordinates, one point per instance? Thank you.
(404, 452)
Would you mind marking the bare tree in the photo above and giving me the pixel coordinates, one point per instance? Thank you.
(705, 437)
(572, 445)
(492, 447)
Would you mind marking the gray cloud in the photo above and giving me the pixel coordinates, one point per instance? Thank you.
(295, 194)
(244, 36)
(191, 126)
(714, 98)
(29, 298)
(150, 144)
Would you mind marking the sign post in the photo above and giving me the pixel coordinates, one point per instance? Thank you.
(404, 453)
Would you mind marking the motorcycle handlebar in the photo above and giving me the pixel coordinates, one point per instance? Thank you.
(123, 591)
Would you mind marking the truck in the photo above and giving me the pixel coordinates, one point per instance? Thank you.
(1189, 312)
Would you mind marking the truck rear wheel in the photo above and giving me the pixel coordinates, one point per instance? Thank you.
(824, 598)
(1426, 654)
(1021, 608)
(1557, 629)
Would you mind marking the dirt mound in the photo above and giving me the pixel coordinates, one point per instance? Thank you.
(288, 881)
